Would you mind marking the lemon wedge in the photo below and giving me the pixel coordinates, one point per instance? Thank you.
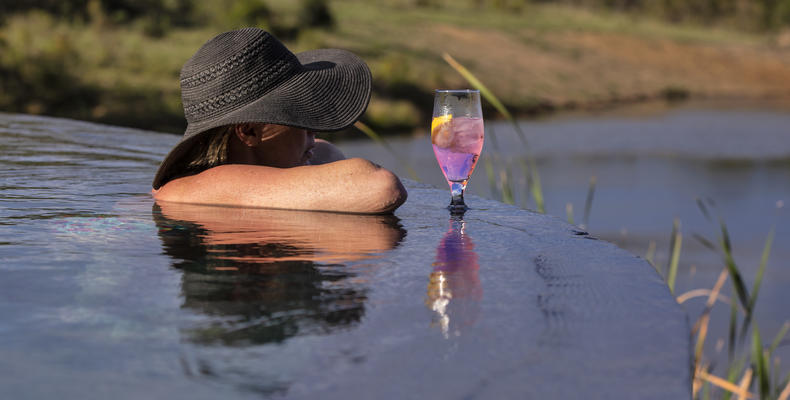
(440, 127)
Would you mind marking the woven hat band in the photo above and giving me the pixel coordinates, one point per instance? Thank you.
(210, 89)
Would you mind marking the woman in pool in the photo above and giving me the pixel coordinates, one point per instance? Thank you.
(252, 108)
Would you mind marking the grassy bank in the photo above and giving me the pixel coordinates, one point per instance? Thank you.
(538, 58)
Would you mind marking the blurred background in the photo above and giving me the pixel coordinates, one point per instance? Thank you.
(647, 120)
(117, 61)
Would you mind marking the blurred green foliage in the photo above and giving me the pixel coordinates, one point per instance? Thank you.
(118, 61)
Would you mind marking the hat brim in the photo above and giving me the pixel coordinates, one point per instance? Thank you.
(329, 93)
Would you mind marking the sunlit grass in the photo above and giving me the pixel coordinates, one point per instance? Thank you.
(676, 241)
(540, 18)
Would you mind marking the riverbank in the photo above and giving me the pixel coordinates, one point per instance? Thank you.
(538, 60)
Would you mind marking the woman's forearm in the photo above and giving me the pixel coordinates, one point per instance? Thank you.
(354, 185)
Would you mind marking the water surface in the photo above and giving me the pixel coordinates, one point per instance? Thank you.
(106, 294)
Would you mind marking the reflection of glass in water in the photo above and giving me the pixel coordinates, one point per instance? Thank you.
(262, 276)
(454, 289)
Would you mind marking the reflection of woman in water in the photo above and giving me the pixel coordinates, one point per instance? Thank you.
(454, 290)
(253, 108)
(263, 275)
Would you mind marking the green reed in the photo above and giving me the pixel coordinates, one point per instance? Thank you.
(756, 373)
(530, 166)
(676, 241)
(588, 201)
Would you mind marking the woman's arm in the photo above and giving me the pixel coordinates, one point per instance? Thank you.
(354, 185)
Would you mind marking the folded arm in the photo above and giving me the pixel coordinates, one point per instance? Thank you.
(354, 185)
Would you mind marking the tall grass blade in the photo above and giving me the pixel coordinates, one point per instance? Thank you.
(715, 380)
(569, 213)
(701, 336)
(588, 201)
(732, 374)
(534, 178)
(706, 391)
(696, 379)
(507, 192)
(673, 264)
(735, 275)
(763, 261)
(732, 328)
(650, 255)
(779, 337)
(672, 237)
(705, 242)
(379, 140)
(535, 188)
(746, 381)
(488, 165)
(492, 135)
(760, 363)
(701, 326)
(477, 84)
(713, 294)
(704, 209)
(700, 293)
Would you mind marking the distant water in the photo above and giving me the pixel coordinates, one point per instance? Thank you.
(650, 168)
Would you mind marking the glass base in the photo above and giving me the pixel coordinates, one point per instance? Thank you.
(457, 205)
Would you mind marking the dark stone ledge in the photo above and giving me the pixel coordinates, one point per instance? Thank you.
(557, 314)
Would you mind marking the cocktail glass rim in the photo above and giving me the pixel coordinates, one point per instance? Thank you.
(456, 90)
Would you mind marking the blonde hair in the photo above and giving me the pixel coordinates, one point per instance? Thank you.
(208, 150)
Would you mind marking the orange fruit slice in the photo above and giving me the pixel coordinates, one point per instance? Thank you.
(441, 130)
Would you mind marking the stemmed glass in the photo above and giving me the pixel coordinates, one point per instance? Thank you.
(457, 138)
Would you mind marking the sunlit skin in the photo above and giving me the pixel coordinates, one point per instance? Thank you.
(323, 237)
(275, 166)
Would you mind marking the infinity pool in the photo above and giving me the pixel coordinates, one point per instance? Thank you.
(105, 294)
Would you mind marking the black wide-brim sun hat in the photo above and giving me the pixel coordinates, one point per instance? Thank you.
(249, 76)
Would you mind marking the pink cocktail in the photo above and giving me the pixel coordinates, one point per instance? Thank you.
(458, 148)
(457, 137)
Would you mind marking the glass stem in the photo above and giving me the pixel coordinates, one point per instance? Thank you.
(457, 201)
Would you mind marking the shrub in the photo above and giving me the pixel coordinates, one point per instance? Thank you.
(316, 14)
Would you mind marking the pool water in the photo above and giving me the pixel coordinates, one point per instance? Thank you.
(97, 278)
(106, 294)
